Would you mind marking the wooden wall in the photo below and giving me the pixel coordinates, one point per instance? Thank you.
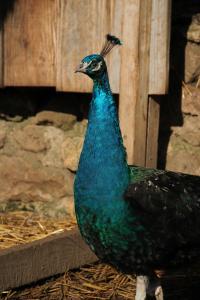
(42, 42)
(30, 44)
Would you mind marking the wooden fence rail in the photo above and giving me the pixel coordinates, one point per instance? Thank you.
(43, 258)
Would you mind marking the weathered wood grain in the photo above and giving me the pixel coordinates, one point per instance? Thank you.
(116, 19)
(82, 27)
(81, 31)
(40, 259)
(141, 106)
(30, 43)
(129, 75)
(152, 132)
(158, 73)
(159, 46)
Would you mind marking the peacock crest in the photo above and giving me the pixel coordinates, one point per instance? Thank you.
(111, 42)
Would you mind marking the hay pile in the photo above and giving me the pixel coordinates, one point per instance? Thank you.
(23, 227)
(98, 281)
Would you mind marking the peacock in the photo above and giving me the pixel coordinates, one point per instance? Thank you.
(136, 219)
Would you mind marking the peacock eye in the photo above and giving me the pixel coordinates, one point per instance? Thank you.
(93, 64)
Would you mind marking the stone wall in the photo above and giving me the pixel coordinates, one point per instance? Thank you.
(179, 142)
(38, 157)
(183, 151)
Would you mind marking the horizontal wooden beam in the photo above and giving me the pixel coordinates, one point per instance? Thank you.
(43, 258)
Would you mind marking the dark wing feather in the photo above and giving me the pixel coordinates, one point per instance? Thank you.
(160, 190)
(168, 205)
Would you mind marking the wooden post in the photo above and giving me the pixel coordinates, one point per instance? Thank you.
(144, 71)
(143, 85)
(135, 79)
(129, 74)
(158, 73)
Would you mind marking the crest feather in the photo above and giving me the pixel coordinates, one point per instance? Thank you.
(111, 41)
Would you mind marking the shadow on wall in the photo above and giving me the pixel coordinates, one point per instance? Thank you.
(170, 105)
(5, 8)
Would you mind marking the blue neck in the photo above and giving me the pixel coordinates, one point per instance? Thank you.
(103, 171)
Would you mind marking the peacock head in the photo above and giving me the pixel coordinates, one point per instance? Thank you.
(94, 65)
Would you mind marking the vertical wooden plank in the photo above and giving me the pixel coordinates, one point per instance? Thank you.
(82, 27)
(159, 48)
(29, 44)
(152, 132)
(135, 79)
(81, 32)
(141, 108)
(129, 74)
(158, 73)
(115, 28)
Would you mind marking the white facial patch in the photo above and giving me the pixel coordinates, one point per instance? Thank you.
(98, 67)
(83, 66)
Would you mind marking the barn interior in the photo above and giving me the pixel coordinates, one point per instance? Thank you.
(43, 120)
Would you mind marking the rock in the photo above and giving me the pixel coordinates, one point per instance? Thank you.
(191, 101)
(31, 138)
(56, 119)
(190, 124)
(2, 134)
(192, 62)
(25, 180)
(54, 209)
(182, 157)
(71, 149)
(193, 33)
(12, 119)
(192, 138)
(72, 145)
(54, 137)
(67, 204)
(78, 129)
(190, 131)
(2, 138)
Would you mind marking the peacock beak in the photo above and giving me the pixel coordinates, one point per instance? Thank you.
(82, 68)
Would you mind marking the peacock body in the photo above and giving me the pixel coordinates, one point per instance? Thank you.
(136, 219)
